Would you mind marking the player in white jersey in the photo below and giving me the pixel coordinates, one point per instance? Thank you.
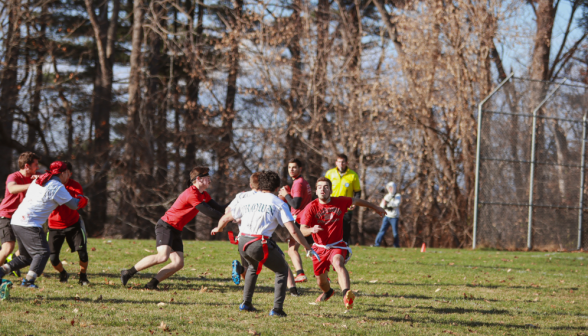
(260, 215)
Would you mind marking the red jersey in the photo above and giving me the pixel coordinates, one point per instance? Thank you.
(328, 216)
(301, 188)
(184, 208)
(63, 217)
(11, 201)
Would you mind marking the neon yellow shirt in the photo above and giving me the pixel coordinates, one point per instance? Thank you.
(344, 185)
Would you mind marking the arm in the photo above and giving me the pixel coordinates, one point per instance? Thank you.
(73, 203)
(297, 235)
(306, 231)
(213, 204)
(209, 211)
(395, 202)
(383, 203)
(15, 188)
(226, 219)
(377, 209)
(294, 202)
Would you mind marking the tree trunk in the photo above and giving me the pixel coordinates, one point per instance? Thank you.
(40, 44)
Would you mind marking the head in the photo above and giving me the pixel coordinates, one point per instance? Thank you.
(200, 178)
(341, 162)
(65, 177)
(29, 162)
(269, 181)
(391, 187)
(60, 169)
(254, 181)
(323, 188)
(294, 168)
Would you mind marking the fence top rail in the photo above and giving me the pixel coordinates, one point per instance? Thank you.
(533, 205)
(531, 116)
(549, 82)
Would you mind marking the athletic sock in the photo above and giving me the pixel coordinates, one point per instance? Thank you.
(6, 268)
(132, 271)
(153, 283)
(31, 276)
(293, 290)
(299, 272)
(345, 291)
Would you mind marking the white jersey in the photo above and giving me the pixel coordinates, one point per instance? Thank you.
(241, 196)
(39, 202)
(261, 214)
(391, 204)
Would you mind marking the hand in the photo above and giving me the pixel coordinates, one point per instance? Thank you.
(315, 229)
(215, 231)
(381, 212)
(34, 177)
(352, 207)
(283, 192)
(312, 252)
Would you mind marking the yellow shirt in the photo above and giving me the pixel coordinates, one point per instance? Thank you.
(344, 185)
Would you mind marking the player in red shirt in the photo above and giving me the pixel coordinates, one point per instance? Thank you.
(66, 224)
(168, 231)
(299, 196)
(17, 185)
(323, 218)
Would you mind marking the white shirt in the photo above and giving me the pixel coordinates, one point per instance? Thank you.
(261, 214)
(241, 196)
(391, 204)
(39, 202)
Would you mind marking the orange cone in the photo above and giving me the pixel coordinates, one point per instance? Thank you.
(424, 248)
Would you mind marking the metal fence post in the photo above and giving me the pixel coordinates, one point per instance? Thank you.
(532, 174)
(582, 166)
(477, 182)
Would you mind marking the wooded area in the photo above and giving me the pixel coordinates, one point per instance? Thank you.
(137, 92)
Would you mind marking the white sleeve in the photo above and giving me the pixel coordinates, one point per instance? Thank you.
(284, 216)
(233, 204)
(237, 211)
(62, 196)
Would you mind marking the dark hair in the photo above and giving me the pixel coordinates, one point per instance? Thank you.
(254, 180)
(198, 171)
(297, 162)
(69, 166)
(324, 179)
(342, 156)
(26, 158)
(269, 180)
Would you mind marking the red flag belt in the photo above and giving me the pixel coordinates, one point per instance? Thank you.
(232, 238)
(264, 246)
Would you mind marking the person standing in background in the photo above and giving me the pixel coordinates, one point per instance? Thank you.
(391, 203)
(345, 183)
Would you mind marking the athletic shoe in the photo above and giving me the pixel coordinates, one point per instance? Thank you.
(301, 278)
(28, 284)
(84, 279)
(247, 307)
(124, 277)
(151, 286)
(6, 281)
(294, 291)
(236, 275)
(63, 276)
(9, 259)
(278, 313)
(348, 299)
(325, 296)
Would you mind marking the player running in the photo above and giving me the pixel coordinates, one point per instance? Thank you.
(66, 224)
(168, 231)
(43, 196)
(17, 185)
(298, 198)
(323, 218)
(260, 215)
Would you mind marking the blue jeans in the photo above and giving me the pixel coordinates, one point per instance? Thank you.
(386, 223)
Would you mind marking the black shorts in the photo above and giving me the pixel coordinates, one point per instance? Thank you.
(75, 236)
(6, 233)
(166, 234)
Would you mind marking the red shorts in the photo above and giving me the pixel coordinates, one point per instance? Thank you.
(327, 256)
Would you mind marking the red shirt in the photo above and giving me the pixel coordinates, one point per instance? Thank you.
(11, 202)
(301, 188)
(184, 208)
(64, 217)
(328, 216)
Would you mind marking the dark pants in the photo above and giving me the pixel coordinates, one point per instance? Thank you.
(386, 223)
(347, 227)
(33, 248)
(275, 262)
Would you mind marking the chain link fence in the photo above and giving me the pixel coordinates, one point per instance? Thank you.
(530, 167)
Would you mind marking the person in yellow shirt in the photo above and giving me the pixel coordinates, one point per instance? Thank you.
(345, 183)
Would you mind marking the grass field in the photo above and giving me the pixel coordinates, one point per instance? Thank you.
(399, 291)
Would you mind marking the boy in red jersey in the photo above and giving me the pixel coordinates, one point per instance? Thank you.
(66, 224)
(297, 199)
(323, 218)
(168, 231)
(17, 185)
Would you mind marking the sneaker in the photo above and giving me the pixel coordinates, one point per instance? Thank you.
(325, 296)
(300, 278)
(278, 313)
(28, 284)
(151, 286)
(63, 276)
(16, 273)
(124, 277)
(247, 307)
(237, 270)
(348, 299)
(83, 279)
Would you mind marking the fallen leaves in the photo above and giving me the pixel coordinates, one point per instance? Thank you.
(253, 332)
(203, 289)
(161, 304)
(373, 281)
(163, 326)
(438, 289)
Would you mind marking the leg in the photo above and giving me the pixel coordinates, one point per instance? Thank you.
(7, 248)
(395, 232)
(55, 240)
(163, 253)
(83, 254)
(24, 258)
(39, 250)
(343, 276)
(293, 247)
(176, 264)
(7, 238)
(276, 262)
(250, 279)
(347, 227)
(383, 228)
(323, 282)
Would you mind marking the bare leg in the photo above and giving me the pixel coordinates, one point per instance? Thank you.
(163, 253)
(293, 247)
(291, 282)
(176, 264)
(59, 267)
(343, 275)
(323, 282)
(7, 248)
(83, 267)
